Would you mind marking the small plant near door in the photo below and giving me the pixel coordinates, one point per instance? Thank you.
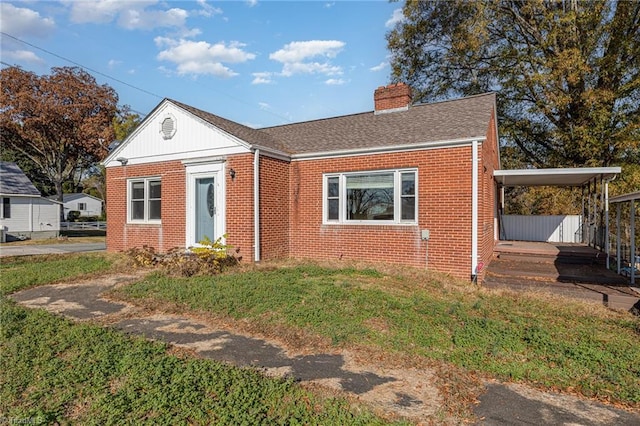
(209, 258)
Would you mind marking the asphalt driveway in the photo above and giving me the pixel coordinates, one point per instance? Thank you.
(31, 249)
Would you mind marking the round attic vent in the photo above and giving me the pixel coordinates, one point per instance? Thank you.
(168, 127)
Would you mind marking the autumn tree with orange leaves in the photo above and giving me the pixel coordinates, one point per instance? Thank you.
(61, 122)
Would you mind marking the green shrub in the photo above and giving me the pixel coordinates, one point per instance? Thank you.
(73, 215)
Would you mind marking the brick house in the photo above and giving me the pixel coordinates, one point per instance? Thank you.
(409, 184)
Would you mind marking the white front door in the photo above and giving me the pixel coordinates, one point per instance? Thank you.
(205, 203)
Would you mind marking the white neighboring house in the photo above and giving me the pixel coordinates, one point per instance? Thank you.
(86, 204)
(25, 213)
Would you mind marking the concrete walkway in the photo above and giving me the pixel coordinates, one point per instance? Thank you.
(409, 392)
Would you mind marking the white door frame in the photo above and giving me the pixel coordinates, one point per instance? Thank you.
(217, 171)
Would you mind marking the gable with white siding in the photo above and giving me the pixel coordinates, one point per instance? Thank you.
(173, 133)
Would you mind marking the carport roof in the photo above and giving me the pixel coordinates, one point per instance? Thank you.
(554, 177)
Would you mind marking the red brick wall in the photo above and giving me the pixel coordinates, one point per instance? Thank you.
(444, 207)
(162, 237)
(239, 205)
(274, 208)
(487, 199)
(393, 96)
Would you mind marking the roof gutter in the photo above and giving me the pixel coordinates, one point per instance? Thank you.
(387, 149)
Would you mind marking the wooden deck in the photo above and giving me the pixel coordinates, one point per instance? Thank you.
(567, 270)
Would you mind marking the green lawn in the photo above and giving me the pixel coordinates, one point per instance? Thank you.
(61, 371)
(21, 272)
(58, 371)
(552, 344)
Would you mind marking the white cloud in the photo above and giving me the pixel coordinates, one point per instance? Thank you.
(20, 21)
(262, 78)
(379, 67)
(396, 17)
(334, 82)
(207, 10)
(297, 56)
(329, 5)
(290, 69)
(21, 56)
(300, 50)
(131, 15)
(148, 19)
(252, 3)
(200, 57)
(113, 63)
(264, 105)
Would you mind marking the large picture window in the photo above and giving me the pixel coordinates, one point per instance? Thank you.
(145, 200)
(370, 197)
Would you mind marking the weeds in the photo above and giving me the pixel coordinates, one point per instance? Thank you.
(520, 338)
(59, 373)
(208, 258)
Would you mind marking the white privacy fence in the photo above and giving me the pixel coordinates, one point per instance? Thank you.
(553, 229)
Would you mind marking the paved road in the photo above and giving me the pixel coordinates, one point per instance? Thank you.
(410, 393)
(26, 250)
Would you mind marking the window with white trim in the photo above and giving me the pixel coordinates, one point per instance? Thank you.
(387, 196)
(82, 206)
(144, 200)
(6, 208)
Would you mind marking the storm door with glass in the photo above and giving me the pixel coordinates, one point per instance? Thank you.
(205, 209)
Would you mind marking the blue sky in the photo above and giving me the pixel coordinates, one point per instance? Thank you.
(260, 63)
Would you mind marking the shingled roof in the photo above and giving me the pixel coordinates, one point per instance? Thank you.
(13, 181)
(453, 120)
(252, 136)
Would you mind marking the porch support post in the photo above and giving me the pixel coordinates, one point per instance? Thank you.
(618, 260)
(582, 216)
(606, 220)
(589, 214)
(633, 241)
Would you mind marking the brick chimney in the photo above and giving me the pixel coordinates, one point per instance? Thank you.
(391, 98)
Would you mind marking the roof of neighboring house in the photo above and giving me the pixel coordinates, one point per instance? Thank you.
(13, 181)
(76, 196)
(452, 120)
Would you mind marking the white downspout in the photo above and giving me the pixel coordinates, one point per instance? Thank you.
(474, 208)
(256, 204)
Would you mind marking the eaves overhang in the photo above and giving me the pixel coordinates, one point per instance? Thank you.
(387, 149)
